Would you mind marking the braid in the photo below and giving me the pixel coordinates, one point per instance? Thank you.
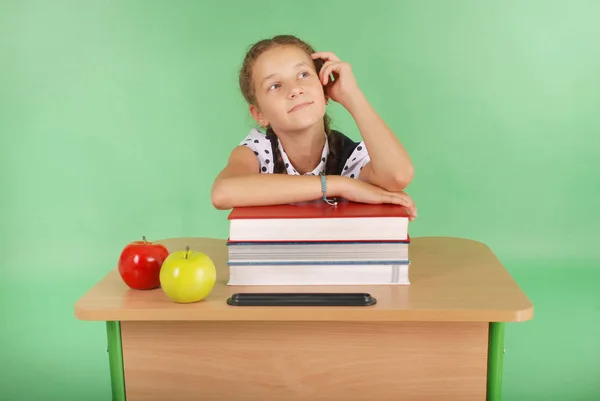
(278, 167)
(335, 148)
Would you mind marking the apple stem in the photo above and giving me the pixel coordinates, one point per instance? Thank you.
(144, 238)
(187, 249)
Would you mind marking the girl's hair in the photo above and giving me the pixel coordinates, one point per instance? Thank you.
(247, 87)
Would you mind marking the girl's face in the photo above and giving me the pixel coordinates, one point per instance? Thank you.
(288, 91)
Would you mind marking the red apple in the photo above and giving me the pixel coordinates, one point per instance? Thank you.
(140, 263)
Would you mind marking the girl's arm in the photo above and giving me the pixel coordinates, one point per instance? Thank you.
(390, 166)
(241, 184)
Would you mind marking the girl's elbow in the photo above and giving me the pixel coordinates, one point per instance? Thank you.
(408, 176)
(397, 186)
(219, 198)
(401, 180)
(217, 202)
(221, 205)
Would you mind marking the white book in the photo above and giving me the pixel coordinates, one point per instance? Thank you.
(316, 251)
(325, 274)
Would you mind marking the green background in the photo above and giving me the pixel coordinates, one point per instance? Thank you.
(116, 116)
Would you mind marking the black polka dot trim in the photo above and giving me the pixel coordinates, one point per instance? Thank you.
(261, 145)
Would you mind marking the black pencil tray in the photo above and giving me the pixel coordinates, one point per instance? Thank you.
(302, 299)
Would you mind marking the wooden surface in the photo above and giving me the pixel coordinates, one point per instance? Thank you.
(317, 361)
(452, 279)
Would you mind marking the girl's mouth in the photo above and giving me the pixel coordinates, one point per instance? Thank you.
(299, 106)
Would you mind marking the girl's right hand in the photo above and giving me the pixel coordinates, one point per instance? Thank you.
(363, 192)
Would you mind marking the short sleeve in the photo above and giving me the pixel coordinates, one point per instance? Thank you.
(258, 142)
(356, 161)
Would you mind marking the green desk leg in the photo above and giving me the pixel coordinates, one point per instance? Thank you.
(495, 361)
(115, 359)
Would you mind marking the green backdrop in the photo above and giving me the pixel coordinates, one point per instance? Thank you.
(116, 116)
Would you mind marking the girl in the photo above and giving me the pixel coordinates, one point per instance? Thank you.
(287, 86)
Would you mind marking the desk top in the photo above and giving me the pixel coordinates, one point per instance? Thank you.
(452, 279)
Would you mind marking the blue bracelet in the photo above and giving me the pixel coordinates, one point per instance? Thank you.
(324, 190)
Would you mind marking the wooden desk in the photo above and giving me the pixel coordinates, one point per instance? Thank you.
(441, 338)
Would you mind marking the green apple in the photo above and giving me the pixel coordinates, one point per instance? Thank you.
(187, 276)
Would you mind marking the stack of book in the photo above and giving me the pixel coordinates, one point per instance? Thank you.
(313, 243)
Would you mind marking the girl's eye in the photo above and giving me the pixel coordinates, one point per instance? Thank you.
(304, 74)
(273, 87)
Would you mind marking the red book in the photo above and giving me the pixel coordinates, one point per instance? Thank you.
(319, 221)
(318, 209)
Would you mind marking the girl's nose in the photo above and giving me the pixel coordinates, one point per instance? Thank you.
(295, 91)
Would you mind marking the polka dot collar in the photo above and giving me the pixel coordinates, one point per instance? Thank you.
(316, 171)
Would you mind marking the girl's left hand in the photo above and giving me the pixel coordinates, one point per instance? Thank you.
(344, 85)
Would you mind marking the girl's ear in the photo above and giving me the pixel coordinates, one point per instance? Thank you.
(258, 116)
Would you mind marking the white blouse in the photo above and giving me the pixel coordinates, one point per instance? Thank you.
(258, 142)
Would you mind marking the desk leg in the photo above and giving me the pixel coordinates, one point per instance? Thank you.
(495, 361)
(115, 359)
